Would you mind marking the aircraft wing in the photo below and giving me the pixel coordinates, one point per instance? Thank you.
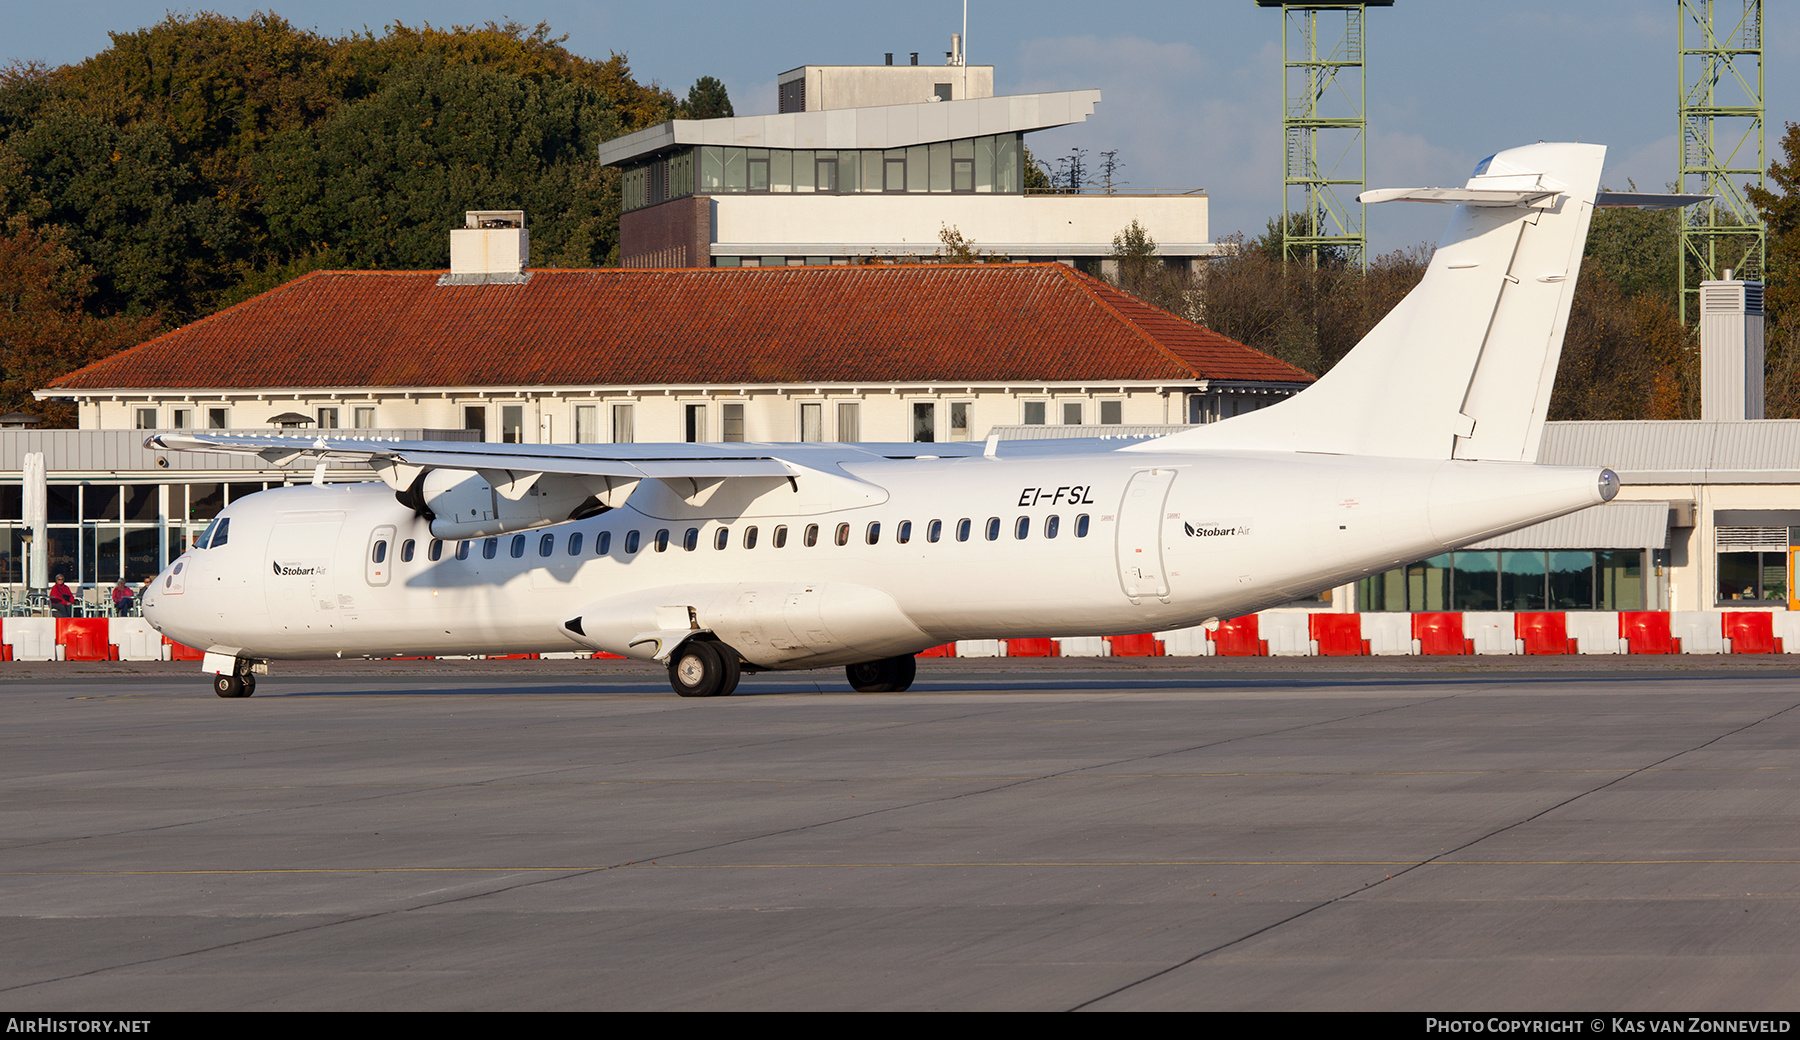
(476, 489)
(399, 462)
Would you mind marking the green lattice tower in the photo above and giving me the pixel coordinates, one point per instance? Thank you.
(1325, 152)
(1719, 49)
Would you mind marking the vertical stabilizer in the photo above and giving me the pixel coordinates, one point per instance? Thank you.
(1463, 367)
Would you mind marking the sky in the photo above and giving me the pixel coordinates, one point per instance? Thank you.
(1191, 89)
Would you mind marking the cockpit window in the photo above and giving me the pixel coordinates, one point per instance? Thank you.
(215, 534)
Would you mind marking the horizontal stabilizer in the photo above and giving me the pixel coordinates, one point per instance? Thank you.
(1646, 200)
(1458, 196)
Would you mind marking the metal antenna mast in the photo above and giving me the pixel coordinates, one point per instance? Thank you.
(1719, 50)
(1324, 92)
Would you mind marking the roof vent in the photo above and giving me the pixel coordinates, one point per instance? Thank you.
(492, 247)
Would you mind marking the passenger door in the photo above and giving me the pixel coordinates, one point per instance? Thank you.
(1140, 550)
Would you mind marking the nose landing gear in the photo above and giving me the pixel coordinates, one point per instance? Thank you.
(234, 685)
(231, 676)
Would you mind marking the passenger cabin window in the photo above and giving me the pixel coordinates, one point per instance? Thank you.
(993, 528)
(1081, 526)
(604, 543)
(490, 548)
(721, 538)
(691, 540)
(436, 551)
(903, 533)
(631, 542)
(518, 546)
(781, 537)
(406, 551)
(379, 553)
(1022, 528)
(1051, 524)
(873, 534)
(662, 540)
(962, 529)
(843, 534)
(575, 541)
(749, 537)
(462, 550)
(934, 530)
(812, 535)
(546, 545)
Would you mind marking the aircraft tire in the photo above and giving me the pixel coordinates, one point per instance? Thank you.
(888, 675)
(702, 668)
(234, 685)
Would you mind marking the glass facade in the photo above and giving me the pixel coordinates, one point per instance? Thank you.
(972, 165)
(99, 533)
(1515, 580)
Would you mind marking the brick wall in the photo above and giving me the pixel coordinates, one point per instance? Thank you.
(677, 233)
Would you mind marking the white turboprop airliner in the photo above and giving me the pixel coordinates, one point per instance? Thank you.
(716, 558)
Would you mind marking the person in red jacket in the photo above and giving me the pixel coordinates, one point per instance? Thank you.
(62, 600)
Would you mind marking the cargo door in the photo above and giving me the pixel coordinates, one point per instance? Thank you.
(1140, 550)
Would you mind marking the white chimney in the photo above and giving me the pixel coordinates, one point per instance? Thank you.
(1731, 350)
(491, 241)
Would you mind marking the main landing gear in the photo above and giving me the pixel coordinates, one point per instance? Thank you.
(703, 668)
(888, 675)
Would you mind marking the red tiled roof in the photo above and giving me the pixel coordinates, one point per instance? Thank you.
(701, 326)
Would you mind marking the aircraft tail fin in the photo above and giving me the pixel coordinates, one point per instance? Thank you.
(1462, 367)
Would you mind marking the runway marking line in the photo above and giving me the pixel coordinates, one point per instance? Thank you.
(932, 865)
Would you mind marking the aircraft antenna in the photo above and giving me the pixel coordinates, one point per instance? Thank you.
(1325, 151)
(1720, 53)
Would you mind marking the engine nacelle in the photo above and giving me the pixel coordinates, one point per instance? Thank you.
(466, 504)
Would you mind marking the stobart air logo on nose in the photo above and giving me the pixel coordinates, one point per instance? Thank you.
(285, 570)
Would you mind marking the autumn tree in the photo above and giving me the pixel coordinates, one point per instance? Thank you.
(45, 330)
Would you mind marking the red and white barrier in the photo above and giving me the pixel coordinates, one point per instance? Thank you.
(1284, 633)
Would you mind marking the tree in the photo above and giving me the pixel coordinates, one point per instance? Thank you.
(1780, 212)
(381, 181)
(1037, 182)
(959, 250)
(1635, 249)
(707, 99)
(45, 332)
(1109, 180)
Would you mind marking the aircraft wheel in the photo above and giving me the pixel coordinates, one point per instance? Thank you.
(888, 675)
(233, 685)
(702, 668)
